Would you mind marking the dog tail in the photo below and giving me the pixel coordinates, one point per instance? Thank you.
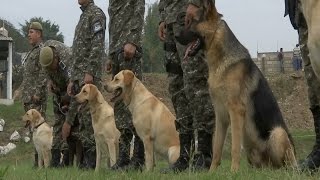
(281, 149)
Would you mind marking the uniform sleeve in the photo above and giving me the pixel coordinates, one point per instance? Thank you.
(195, 2)
(136, 24)
(94, 60)
(41, 89)
(161, 7)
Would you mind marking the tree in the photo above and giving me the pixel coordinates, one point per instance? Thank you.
(50, 30)
(153, 54)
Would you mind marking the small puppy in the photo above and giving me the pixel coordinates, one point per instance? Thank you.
(106, 133)
(42, 136)
(153, 121)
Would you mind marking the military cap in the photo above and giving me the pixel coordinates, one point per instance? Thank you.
(36, 26)
(46, 56)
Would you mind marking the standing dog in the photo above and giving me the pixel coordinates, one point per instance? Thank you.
(106, 133)
(42, 136)
(240, 94)
(153, 121)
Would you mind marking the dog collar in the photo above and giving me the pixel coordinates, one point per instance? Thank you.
(39, 125)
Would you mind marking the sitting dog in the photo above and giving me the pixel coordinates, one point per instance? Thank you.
(240, 94)
(42, 136)
(153, 121)
(106, 133)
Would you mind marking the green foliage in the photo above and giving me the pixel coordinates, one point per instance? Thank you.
(50, 30)
(153, 53)
(3, 172)
(20, 43)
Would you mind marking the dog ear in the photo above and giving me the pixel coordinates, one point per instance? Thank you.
(128, 77)
(35, 114)
(208, 6)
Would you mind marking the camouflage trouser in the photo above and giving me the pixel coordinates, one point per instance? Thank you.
(194, 98)
(59, 118)
(312, 81)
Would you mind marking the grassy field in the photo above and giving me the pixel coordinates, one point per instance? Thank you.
(18, 163)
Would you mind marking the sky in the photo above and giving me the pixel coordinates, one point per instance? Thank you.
(258, 24)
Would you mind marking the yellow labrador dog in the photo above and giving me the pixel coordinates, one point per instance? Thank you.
(42, 136)
(106, 133)
(153, 121)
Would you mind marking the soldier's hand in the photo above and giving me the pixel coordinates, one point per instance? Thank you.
(108, 66)
(88, 78)
(162, 31)
(129, 50)
(191, 14)
(65, 131)
(69, 89)
(35, 98)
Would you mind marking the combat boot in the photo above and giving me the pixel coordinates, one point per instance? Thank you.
(55, 160)
(312, 162)
(35, 165)
(89, 158)
(182, 163)
(202, 158)
(137, 160)
(124, 150)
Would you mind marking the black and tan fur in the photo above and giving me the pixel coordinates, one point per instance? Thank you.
(240, 94)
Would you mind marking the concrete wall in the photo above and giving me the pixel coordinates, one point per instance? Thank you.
(268, 62)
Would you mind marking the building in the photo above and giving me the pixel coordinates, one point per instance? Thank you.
(5, 67)
(268, 62)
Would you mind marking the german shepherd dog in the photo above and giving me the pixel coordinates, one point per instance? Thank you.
(240, 94)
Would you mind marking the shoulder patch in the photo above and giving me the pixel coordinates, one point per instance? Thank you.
(97, 27)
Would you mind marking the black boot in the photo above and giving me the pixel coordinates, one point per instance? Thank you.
(89, 158)
(182, 163)
(137, 160)
(124, 151)
(202, 158)
(35, 165)
(312, 161)
(55, 160)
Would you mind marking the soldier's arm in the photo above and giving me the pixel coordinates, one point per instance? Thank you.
(161, 8)
(41, 85)
(94, 61)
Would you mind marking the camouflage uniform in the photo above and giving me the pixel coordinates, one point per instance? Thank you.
(60, 80)
(34, 82)
(294, 9)
(125, 26)
(87, 55)
(187, 85)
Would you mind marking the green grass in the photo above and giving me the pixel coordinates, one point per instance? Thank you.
(18, 163)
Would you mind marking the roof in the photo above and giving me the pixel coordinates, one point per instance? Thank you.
(4, 38)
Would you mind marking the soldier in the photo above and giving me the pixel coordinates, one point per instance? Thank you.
(189, 89)
(34, 91)
(87, 55)
(125, 31)
(55, 60)
(293, 8)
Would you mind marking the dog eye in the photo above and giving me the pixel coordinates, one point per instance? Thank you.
(84, 91)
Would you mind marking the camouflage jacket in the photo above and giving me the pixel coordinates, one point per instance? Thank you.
(126, 23)
(88, 48)
(172, 10)
(34, 78)
(60, 78)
